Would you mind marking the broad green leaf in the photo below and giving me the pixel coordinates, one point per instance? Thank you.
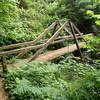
(98, 22)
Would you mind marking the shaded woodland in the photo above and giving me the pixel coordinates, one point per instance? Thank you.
(72, 76)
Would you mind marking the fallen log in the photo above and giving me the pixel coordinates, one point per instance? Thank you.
(51, 55)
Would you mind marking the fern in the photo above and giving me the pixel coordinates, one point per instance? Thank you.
(47, 81)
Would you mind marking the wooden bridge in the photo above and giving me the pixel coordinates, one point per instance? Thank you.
(41, 44)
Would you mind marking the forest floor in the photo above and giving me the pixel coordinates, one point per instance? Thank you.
(48, 56)
(3, 92)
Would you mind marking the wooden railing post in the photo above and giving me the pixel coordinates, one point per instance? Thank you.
(76, 41)
(4, 63)
(81, 34)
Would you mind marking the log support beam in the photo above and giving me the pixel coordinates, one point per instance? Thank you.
(76, 41)
(4, 63)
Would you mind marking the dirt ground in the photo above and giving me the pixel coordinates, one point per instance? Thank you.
(3, 93)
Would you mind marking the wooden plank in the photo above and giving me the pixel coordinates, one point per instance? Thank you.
(21, 49)
(51, 55)
(67, 39)
(76, 41)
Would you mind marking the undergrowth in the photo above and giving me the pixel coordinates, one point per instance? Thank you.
(48, 81)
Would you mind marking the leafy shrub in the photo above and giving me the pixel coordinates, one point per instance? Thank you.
(23, 20)
(47, 81)
(94, 40)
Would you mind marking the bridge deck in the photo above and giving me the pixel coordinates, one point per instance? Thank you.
(51, 55)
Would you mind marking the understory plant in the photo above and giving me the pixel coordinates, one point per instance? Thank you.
(94, 40)
(48, 81)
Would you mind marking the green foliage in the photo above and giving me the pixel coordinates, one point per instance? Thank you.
(94, 40)
(23, 20)
(47, 81)
(12, 60)
(75, 10)
(95, 16)
(93, 46)
(89, 83)
(7, 14)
